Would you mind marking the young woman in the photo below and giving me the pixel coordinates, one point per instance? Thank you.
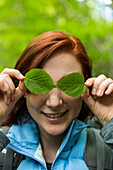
(50, 129)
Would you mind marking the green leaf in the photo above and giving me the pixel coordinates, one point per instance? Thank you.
(72, 85)
(38, 81)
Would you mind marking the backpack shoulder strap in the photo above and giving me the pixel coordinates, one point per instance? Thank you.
(97, 154)
(10, 159)
(100, 154)
(17, 159)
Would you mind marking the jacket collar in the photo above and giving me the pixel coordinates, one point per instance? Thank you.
(24, 138)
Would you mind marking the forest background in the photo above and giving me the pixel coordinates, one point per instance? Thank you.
(90, 20)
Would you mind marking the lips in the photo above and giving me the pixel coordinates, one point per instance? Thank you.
(54, 115)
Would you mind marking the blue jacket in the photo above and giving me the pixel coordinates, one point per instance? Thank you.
(25, 140)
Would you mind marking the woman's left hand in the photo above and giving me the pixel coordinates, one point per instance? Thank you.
(100, 99)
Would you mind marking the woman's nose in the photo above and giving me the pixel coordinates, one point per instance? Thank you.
(54, 99)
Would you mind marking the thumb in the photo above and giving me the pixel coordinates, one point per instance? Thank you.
(20, 90)
(88, 99)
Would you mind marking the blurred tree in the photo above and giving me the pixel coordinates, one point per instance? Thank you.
(21, 21)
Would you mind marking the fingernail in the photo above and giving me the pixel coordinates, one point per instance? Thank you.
(94, 91)
(99, 92)
(87, 82)
(8, 100)
(13, 97)
(21, 76)
(107, 91)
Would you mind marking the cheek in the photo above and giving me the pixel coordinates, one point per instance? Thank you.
(73, 102)
(75, 105)
(34, 101)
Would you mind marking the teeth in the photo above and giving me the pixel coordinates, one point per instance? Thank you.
(54, 115)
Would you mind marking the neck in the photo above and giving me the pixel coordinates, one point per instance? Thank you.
(50, 144)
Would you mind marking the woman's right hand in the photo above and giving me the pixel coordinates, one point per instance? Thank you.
(9, 95)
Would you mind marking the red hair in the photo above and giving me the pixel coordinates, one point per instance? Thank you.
(36, 54)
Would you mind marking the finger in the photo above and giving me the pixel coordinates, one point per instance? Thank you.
(13, 73)
(5, 89)
(109, 89)
(97, 83)
(11, 86)
(89, 82)
(20, 90)
(88, 99)
(103, 86)
(10, 83)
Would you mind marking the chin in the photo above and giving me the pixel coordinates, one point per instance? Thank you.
(57, 131)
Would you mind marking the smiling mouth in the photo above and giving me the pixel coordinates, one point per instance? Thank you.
(55, 115)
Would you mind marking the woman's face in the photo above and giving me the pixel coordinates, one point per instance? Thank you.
(54, 111)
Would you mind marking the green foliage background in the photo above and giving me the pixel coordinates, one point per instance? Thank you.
(21, 21)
